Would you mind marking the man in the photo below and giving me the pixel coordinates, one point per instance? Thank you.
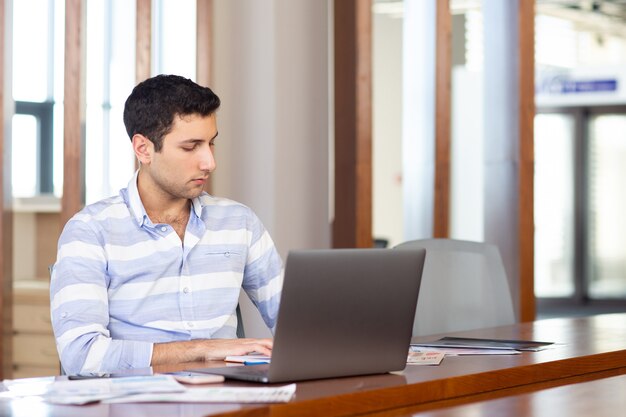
(153, 275)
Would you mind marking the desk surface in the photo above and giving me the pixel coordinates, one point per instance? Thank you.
(586, 348)
(603, 397)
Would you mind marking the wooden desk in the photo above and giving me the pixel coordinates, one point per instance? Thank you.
(587, 348)
(605, 397)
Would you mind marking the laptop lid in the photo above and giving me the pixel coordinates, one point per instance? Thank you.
(343, 312)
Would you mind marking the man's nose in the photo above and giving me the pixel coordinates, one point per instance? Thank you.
(207, 160)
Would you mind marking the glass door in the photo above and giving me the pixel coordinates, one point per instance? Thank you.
(607, 206)
(555, 137)
(580, 206)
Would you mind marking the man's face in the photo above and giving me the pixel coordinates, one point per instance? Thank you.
(182, 167)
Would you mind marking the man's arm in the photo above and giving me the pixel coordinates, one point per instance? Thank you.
(80, 308)
(206, 350)
(263, 274)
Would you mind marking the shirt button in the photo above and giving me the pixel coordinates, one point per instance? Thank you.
(227, 254)
(64, 315)
(190, 324)
(164, 229)
(186, 290)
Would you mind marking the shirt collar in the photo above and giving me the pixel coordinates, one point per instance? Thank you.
(138, 210)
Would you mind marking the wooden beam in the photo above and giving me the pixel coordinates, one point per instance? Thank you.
(352, 225)
(74, 111)
(6, 219)
(526, 16)
(204, 41)
(143, 45)
(441, 209)
(204, 51)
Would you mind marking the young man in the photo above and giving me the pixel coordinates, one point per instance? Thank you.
(153, 275)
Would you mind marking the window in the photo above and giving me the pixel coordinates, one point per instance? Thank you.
(37, 58)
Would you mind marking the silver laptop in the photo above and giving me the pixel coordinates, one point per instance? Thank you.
(343, 312)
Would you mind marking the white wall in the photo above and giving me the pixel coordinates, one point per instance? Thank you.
(271, 72)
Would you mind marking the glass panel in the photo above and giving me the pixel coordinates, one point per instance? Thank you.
(607, 205)
(175, 50)
(467, 121)
(554, 205)
(387, 224)
(109, 160)
(30, 50)
(24, 155)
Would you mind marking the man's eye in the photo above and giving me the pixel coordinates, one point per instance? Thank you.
(189, 148)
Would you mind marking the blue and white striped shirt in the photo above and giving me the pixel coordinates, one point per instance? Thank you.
(122, 283)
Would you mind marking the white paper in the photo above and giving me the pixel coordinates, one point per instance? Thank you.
(281, 394)
(155, 388)
(92, 390)
(424, 358)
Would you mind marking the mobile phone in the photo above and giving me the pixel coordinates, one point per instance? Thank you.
(197, 379)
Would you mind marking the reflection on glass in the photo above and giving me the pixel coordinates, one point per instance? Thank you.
(607, 206)
(24, 155)
(554, 205)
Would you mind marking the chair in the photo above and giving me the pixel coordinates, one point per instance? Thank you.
(250, 320)
(464, 287)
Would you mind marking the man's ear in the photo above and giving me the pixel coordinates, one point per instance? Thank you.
(143, 148)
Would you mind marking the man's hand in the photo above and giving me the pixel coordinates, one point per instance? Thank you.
(207, 350)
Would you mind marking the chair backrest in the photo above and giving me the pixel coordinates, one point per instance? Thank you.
(250, 319)
(464, 287)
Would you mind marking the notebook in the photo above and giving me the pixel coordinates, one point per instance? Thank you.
(343, 312)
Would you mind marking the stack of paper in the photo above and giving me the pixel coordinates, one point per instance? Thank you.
(153, 388)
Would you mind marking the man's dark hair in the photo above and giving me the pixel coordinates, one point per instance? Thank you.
(151, 107)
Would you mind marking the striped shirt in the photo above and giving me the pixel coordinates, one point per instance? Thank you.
(121, 283)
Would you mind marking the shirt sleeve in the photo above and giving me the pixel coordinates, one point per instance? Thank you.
(80, 309)
(263, 273)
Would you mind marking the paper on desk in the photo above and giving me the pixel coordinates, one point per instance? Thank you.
(92, 390)
(280, 394)
(424, 358)
(464, 351)
(26, 387)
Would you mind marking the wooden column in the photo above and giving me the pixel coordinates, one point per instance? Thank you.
(204, 50)
(74, 111)
(352, 225)
(204, 39)
(6, 219)
(443, 75)
(526, 26)
(143, 43)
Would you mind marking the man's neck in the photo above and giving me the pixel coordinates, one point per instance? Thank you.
(161, 208)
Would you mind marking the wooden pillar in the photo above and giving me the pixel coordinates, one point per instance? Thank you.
(526, 16)
(204, 50)
(204, 39)
(74, 111)
(352, 225)
(6, 219)
(143, 44)
(443, 75)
